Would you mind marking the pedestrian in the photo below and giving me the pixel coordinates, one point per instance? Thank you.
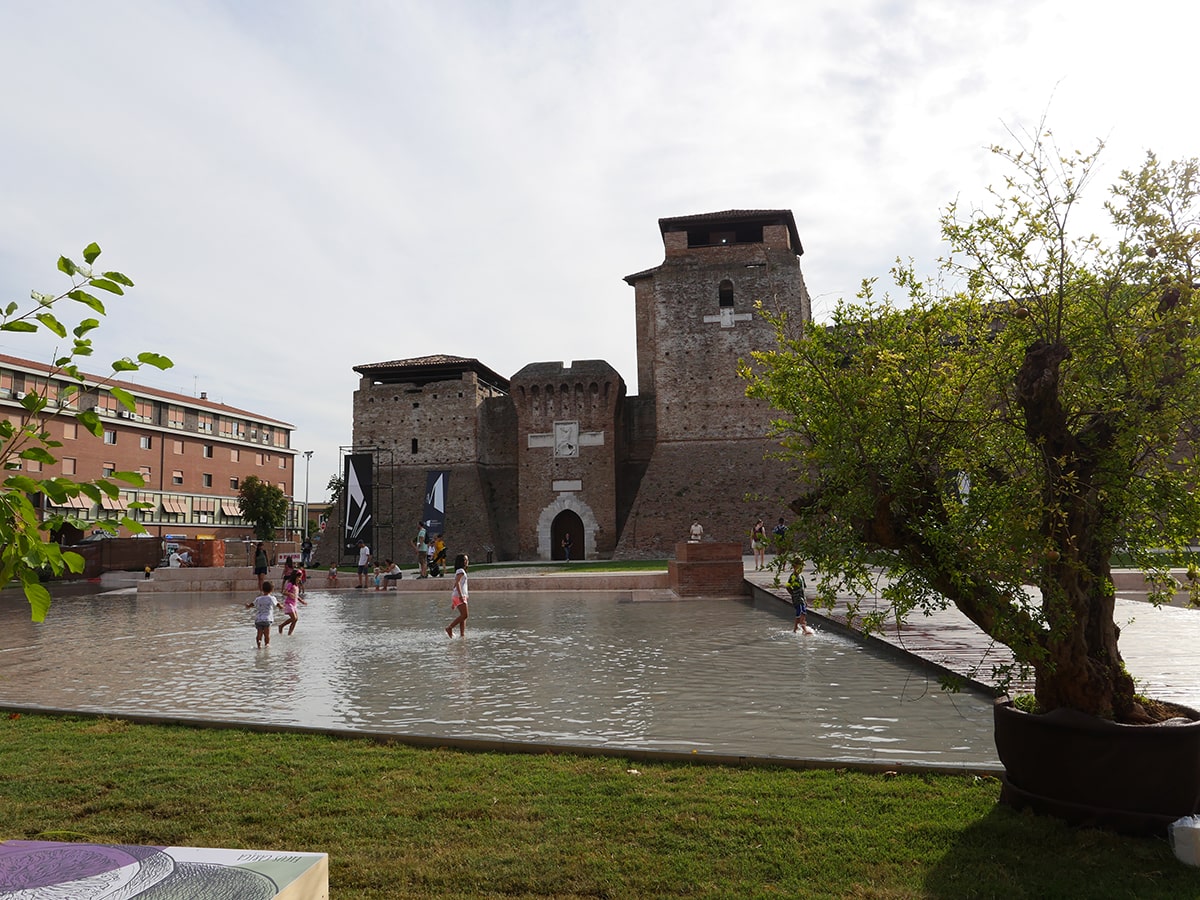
(333, 576)
(795, 586)
(566, 545)
(458, 596)
(439, 553)
(779, 533)
(422, 548)
(291, 597)
(264, 606)
(391, 574)
(758, 542)
(306, 549)
(364, 560)
(377, 578)
(261, 568)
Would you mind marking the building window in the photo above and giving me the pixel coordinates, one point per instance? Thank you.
(106, 404)
(145, 474)
(144, 410)
(258, 459)
(110, 437)
(145, 442)
(233, 484)
(70, 431)
(207, 451)
(176, 476)
(414, 445)
(726, 293)
(283, 462)
(235, 455)
(68, 465)
(204, 422)
(175, 417)
(32, 465)
(177, 447)
(207, 479)
(108, 468)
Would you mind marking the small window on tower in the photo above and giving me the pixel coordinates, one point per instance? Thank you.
(726, 294)
(414, 445)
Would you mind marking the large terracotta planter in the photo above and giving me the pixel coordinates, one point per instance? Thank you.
(1135, 779)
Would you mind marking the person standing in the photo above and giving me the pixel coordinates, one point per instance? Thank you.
(795, 586)
(758, 541)
(264, 615)
(306, 549)
(566, 545)
(420, 543)
(458, 596)
(260, 564)
(364, 560)
(697, 533)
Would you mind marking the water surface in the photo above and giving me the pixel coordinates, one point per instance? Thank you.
(592, 668)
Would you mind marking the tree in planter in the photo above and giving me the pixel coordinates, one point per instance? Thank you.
(264, 506)
(1016, 431)
(26, 550)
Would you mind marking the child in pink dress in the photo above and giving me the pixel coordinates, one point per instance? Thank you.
(291, 597)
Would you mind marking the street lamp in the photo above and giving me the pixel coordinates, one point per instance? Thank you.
(304, 534)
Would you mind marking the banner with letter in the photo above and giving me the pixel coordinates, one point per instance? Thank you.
(434, 512)
(356, 494)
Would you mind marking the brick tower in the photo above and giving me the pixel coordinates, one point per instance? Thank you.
(695, 319)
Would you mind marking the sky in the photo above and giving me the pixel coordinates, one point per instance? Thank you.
(300, 187)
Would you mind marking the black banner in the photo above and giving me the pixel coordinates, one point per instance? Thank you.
(357, 497)
(434, 512)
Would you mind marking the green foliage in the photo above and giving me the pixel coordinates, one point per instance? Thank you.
(964, 445)
(264, 505)
(26, 551)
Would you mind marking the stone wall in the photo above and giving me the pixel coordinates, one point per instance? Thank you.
(725, 485)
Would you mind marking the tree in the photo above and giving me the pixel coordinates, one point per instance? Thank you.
(26, 550)
(1016, 431)
(264, 505)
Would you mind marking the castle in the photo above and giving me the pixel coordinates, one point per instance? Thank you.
(557, 451)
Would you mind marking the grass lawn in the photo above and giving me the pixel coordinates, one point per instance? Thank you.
(404, 822)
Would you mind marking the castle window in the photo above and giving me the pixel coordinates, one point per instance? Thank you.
(414, 445)
(726, 293)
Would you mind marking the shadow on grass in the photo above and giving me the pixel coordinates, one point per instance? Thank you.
(1009, 854)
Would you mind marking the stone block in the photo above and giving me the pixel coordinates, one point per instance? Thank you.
(51, 869)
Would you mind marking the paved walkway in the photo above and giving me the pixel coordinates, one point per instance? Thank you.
(1160, 645)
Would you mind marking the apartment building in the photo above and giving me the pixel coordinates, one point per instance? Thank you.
(192, 453)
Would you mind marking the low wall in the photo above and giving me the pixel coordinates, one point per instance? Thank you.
(707, 569)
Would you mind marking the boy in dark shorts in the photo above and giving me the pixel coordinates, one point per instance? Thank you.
(795, 586)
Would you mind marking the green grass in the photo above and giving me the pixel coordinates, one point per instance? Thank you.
(404, 822)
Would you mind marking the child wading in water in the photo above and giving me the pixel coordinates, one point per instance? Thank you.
(458, 595)
(795, 586)
(291, 597)
(264, 615)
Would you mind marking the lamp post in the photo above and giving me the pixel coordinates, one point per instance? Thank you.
(304, 530)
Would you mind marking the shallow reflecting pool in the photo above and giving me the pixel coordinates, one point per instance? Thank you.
(590, 669)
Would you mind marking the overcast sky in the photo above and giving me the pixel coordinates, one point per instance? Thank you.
(301, 187)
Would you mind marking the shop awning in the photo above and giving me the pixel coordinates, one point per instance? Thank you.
(174, 505)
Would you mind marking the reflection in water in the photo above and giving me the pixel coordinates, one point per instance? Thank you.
(574, 668)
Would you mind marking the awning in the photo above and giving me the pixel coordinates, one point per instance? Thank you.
(203, 504)
(174, 505)
(231, 508)
(80, 502)
(113, 503)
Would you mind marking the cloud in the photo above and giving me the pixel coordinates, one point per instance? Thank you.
(299, 188)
